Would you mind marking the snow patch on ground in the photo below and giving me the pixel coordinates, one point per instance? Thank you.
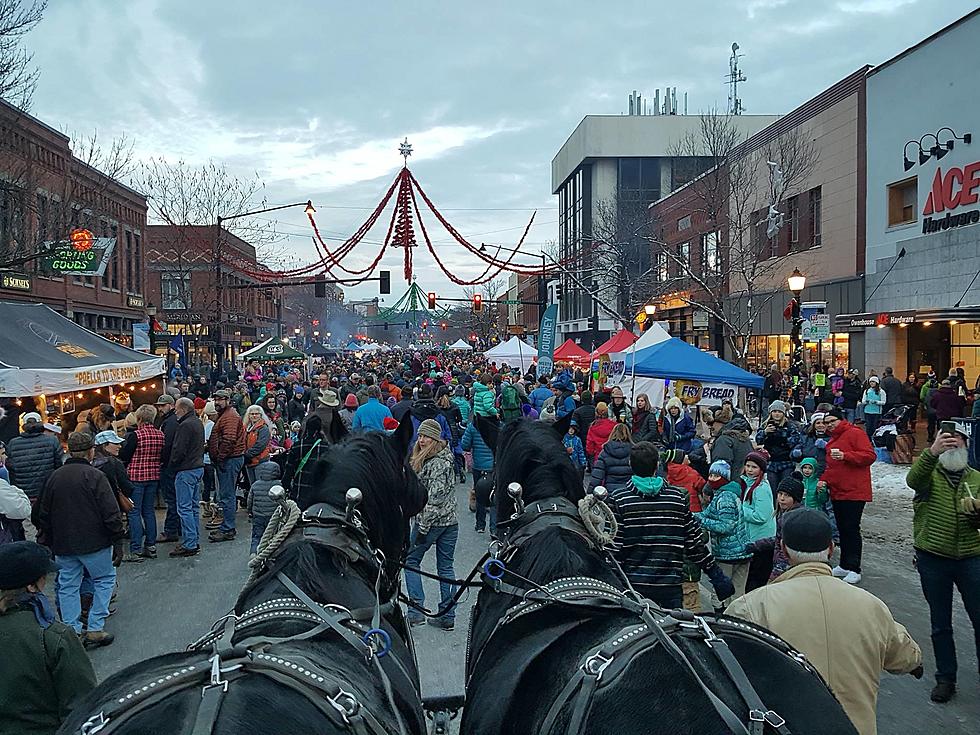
(888, 482)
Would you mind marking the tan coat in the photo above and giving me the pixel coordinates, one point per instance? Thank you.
(850, 643)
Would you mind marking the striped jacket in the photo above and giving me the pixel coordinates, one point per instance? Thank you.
(656, 534)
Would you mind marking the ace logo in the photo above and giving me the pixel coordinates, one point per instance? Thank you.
(956, 188)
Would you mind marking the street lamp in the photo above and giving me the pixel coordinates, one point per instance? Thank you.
(219, 351)
(797, 282)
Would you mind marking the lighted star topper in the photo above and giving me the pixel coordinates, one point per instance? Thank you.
(405, 149)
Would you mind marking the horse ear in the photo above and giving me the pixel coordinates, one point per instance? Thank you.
(489, 431)
(401, 439)
(562, 424)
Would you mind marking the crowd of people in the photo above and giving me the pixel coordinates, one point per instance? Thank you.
(749, 505)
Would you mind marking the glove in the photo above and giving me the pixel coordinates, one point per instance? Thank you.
(722, 584)
(796, 454)
(820, 443)
(917, 672)
(117, 553)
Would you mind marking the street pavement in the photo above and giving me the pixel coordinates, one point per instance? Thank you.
(166, 603)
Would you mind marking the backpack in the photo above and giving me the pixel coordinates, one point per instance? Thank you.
(508, 398)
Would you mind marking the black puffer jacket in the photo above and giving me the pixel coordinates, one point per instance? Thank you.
(645, 428)
(612, 466)
(31, 458)
(733, 443)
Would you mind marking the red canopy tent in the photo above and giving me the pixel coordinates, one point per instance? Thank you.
(572, 353)
(617, 343)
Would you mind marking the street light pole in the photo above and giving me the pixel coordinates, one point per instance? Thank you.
(219, 285)
(797, 282)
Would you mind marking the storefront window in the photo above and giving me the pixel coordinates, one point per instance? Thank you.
(965, 349)
(766, 349)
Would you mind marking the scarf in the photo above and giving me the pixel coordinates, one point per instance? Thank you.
(715, 484)
(40, 605)
(647, 485)
(747, 495)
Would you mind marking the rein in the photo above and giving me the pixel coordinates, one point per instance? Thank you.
(359, 628)
(603, 664)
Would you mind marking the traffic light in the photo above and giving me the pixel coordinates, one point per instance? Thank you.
(319, 289)
(558, 292)
(316, 322)
(425, 324)
(443, 326)
(407, 325)
(385, 282)
(477, 303)
(432, 299)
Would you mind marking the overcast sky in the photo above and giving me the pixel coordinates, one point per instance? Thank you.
(315, 95)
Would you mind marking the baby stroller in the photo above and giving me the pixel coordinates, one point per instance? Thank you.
(894, 434)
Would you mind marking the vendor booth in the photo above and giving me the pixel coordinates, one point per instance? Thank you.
(272, 349)
(694, 376)
(571, 354)
(461, 344)
(50, 364)
(513, 352)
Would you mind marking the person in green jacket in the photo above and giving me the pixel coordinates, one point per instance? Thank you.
(945, 535)
(722, 518)
(759, 514)
(484, 397)
(459, 399)
(45, 669)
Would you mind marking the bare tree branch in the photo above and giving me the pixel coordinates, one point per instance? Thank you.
(18, 75)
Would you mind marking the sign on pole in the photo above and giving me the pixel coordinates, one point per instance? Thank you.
(546, 340)
(816, 321)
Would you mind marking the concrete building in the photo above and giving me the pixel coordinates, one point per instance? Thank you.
(606, 173)
(46, 192)
(922, 309)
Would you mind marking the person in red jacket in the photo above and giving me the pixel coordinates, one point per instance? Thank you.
(681, 474)
(848, 475)
(599, 431)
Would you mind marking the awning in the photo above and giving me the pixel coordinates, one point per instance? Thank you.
(865, 320)
(43, 352)
(617, 343)
(675, 359)
(571, 352)
(272, 349)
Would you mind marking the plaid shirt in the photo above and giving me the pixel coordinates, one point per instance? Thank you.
(145, 464)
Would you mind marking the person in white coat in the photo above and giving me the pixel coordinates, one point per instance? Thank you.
(14, 508)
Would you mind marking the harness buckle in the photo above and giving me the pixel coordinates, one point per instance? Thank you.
(94, 724)
(709, 634)
(345, 703)
(595, 664)
(774, 719)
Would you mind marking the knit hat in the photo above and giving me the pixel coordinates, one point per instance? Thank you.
(777, 406)
(874, 379)
(721, 468)
(199, 404)
(350, 401)
(807, 530)
(390, 423)
(676, 456)
(431, 429)
(760, 457)
(675, 402)
(23, 563)
(792, 485)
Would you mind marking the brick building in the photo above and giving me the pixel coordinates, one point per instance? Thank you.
(181, 270)
(45, 193)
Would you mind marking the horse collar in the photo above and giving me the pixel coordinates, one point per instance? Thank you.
(539, 514)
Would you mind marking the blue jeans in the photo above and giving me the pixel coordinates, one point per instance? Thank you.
(187, 485)
(171, 524)
(227, 477)
(444, 538)
(98, 564)
(871, 421)
(143, 517)
(849, 415)
(258, 528)
(938, 575)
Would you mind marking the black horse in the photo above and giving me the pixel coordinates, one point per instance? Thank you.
(582, 658)
(269, 675)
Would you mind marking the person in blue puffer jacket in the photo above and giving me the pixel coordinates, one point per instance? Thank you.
(677, 427)
(482, 465)
(563, 390)
(573, 445)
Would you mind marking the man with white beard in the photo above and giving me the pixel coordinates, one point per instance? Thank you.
(947, 543)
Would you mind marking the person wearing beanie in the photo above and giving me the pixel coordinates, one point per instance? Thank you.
(789, 497)
(873, 399)
(436, 524)
(677, 427)
(722, 518)
(598, 432)
(45, 669)
(459, 400)
(758, 511)
(658, 537)
(846, 633)
(779, 437)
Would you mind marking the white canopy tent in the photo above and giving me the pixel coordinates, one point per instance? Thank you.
(460, 344)
(513, 352)
(631, 384)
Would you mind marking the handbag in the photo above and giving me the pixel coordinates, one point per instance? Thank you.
(125, 502)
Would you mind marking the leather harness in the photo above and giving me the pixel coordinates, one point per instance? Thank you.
(336, 699)
(603, 664)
